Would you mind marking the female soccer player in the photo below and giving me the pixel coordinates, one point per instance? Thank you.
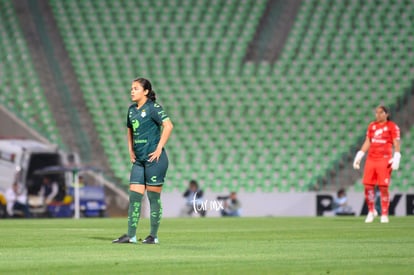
(382, 135)
(149, 128)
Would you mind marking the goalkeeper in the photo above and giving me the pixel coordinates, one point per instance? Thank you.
(382, 135)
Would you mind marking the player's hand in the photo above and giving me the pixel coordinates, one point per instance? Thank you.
(155, 155)
(395, 161)
(358, 159)
(132, 157)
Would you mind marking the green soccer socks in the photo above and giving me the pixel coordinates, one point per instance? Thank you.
(156, 212)
(134, 212)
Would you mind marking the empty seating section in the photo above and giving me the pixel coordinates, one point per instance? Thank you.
(240, 125)
(20, 90)
(402, 179)
(341, 60)
(183, 46)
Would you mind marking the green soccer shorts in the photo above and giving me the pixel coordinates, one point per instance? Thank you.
(149, 173)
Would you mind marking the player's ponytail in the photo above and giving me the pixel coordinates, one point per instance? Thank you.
(146, 84)
(151, 95)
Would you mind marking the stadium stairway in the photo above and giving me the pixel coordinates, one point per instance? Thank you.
(19, 76)
(59, 81)
(273, 30)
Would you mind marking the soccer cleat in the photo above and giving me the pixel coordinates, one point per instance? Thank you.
(384, 219)
(125, 239)
(150, 240)
(370, 217)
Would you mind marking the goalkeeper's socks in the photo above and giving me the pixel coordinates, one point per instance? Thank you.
(385, 200)
(156, 212)
(370, 197)
(134, 212)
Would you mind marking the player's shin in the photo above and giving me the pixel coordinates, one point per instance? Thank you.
(370, 197)
(134, 212)
(385, 200)
(156, 212)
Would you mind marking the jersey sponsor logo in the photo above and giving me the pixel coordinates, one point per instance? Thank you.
(138, 141)
(135, 124)
(378, 132)
(375, 140)
(378, 138)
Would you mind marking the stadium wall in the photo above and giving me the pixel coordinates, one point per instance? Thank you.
(290, 204)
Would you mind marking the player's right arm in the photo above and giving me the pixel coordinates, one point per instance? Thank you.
(361, 152)
(131, 145)
(130, 137)
(365, 146)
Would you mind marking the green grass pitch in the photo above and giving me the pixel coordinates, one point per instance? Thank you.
(329, 245)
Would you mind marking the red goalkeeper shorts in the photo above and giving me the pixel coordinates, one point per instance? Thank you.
(377, 172)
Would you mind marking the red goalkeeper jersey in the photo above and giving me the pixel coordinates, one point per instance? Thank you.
(382, 136)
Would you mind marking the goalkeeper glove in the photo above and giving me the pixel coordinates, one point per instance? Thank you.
(358, 159)
(395, 161)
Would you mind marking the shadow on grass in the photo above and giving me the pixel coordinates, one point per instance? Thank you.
(106, 239)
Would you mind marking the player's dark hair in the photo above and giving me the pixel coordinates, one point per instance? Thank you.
(194, 182)
(385, 109)
(340, 192)
(146, 84)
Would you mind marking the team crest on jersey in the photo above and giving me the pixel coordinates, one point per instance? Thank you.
(143, 113)
(385, 128)
(374, 127)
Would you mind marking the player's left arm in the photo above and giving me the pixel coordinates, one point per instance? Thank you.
(361, 152)
(161, 118)
(167, 127)
(397, 147)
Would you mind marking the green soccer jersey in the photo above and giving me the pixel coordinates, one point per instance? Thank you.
(145, 124)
